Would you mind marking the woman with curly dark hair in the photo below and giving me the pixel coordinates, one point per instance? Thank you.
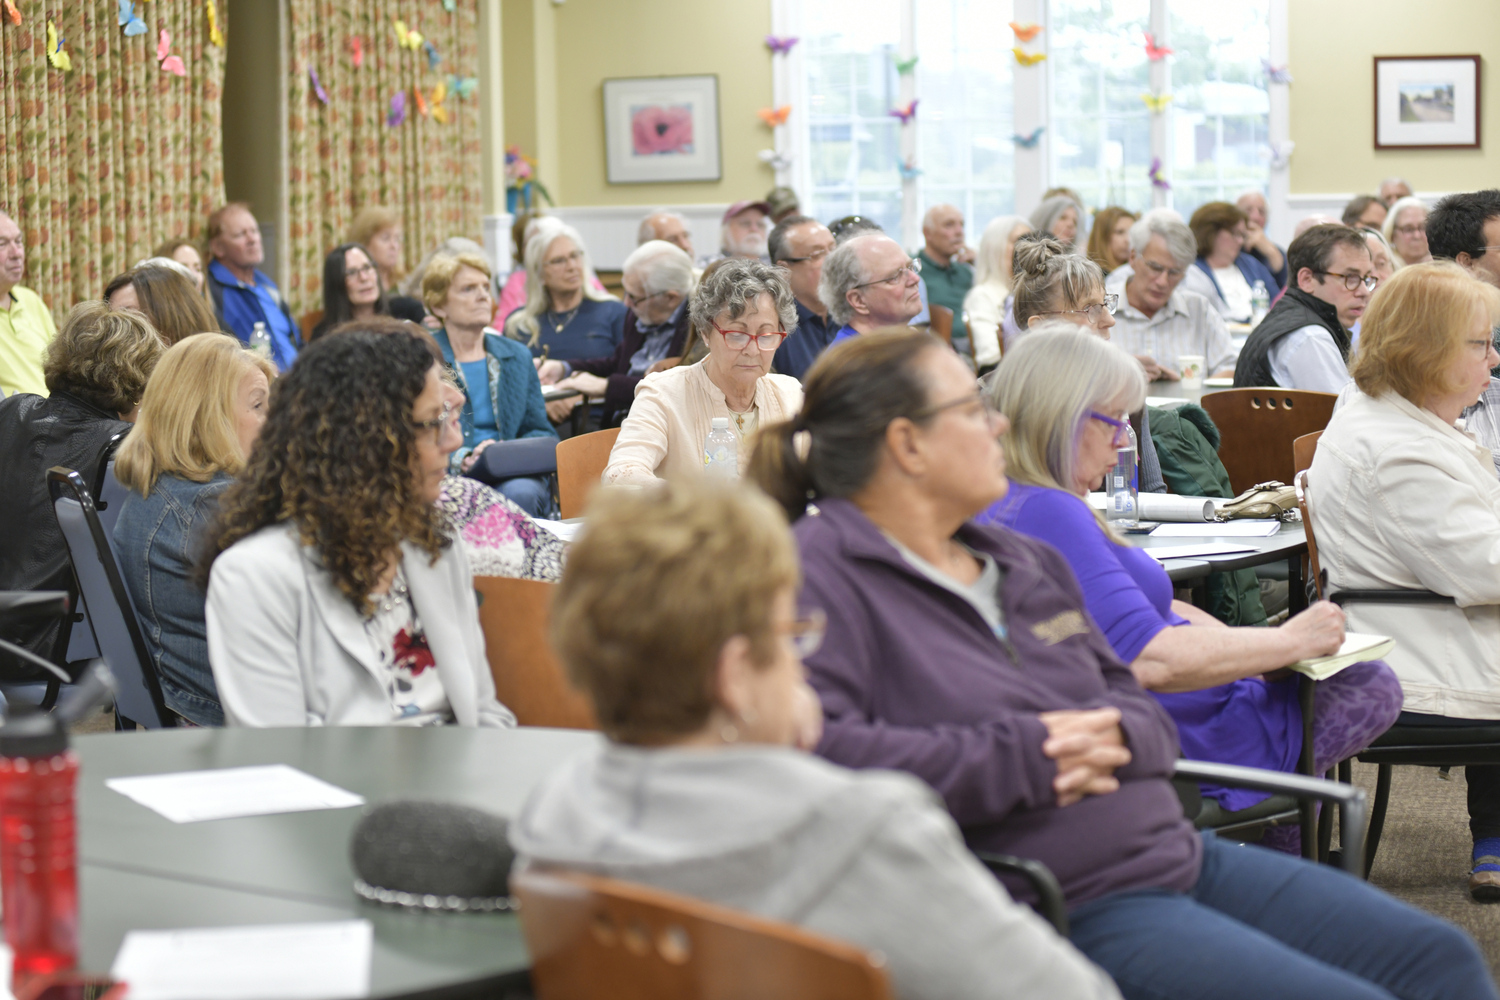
(334, 595)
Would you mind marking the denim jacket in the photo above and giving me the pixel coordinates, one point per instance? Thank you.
(156, 539)
(515, 393)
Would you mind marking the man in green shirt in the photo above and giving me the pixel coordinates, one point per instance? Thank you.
(946, 270)
(25, 324)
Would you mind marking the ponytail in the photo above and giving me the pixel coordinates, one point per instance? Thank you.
(779, 466)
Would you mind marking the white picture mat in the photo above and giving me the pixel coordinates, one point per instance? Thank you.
(1390, 130)
(624, 167)
(323, 961)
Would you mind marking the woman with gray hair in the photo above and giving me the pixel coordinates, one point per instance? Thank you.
(742, 311)
(1405, 229)
(1059, 217)
(565, 317)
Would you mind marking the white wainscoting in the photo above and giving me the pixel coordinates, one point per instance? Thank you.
(610, 230)
(1300, 206)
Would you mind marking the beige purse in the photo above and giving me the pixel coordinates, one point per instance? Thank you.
(1262, 500)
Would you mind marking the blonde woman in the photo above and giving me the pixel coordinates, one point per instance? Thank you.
(565, 317)
(200, 416)
(987, 305)
(377, 229)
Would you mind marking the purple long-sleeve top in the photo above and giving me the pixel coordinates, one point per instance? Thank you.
(1250, 722)
(912, 678)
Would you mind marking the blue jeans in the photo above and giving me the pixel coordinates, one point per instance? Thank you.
(1260, 924)
(533, 494)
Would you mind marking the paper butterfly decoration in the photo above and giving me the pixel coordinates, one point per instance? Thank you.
(463, 86)
(357, 51)
(781, 45)
(432, 54)
(775, 116)
(397, 113)
(1275, 74)
(11, 14)
(440, 94)
(450, 5)
(909, 170)
(132, 24)
(1157, 102)
(905, 66)
(1029, 141)
(317, 85)
(1280, 153)
(55, 54)
(407, 39)
(1157, 180)
(906, 114)
(416, 93)
(1027, 59)
(215, 36)
(1154, 52)
(775, 160)
(1025, 32)
(169, 63)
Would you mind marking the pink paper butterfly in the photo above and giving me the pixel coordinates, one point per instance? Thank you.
(779, 44)
(906, 114)
(1154, 52)
(169, 63)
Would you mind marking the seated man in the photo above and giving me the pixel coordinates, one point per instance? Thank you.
(26, 326)
(1364, 211)
(947, 265)
(1257, 243)
(1156, 321)
(743, 232)
(668, 226)
(658, 278)
(242, 294)
(869, 282)
(1465, 228)
(799, 245)
(1393, 189)
(1303, 343)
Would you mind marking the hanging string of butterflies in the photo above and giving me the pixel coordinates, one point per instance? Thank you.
(1025, 33)
(429, 103)
(131, 26)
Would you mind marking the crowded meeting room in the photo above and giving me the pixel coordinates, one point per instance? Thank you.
(797, 499)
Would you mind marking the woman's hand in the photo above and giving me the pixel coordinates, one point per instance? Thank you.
(1318, 631)
(550, 372)
(473, 456)
(1088, 747)
(589, 385)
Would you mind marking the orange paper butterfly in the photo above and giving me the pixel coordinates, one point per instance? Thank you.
(1025, 32)
(416, 92)
(775, 116)
(11, 14)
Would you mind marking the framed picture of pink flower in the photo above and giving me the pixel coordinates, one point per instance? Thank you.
(662, 129)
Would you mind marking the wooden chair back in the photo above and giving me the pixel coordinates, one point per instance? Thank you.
(308, 322)
(580, 463)
(529, 679)
(941, 323)
(593, 937)
(1257, 428)
(1314, 572)
(1303, 449)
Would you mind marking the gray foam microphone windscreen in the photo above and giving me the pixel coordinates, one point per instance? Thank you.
(432, 855)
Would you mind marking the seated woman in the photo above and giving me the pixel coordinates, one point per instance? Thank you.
(1059, 216)
(164, 295)
(96, 370)
(1405, 229)
(988, 303)
(564, 317)
(335, 597)
(201, 413)
(502, 394)
(1224, 273)
(184, 252)
(1109, 240)
(377, 230)
(1404, 498)
(742, 311)
(676, 617)
(352, 288)
(965, 654)
(1065, 396)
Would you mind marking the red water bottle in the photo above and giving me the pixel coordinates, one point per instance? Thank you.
(38, 852)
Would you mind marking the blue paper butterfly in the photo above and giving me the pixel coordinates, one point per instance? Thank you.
(132, 24)
(1029, 141)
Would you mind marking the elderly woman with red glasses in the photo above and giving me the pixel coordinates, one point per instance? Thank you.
(742, 311)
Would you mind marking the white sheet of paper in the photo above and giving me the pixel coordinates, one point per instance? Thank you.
(1194, 551)
(1246, 528)
(562, 529)
(226, 793)
(1164, 402)
(325, 961)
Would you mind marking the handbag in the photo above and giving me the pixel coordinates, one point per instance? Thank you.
(1263, 500)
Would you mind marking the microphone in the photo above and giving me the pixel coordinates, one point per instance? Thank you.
(433, 856)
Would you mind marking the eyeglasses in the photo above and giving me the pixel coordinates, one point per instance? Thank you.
(565, 259)
(815, 255)
(635, 303)
(436, 424)
(737, 339)
(1093, 313)
(1120, 437)
(1481, 347)
(1411, 230)
(980, 403)
(1172, 272)
(807, 633)
(361, 271)
(913, 267)
(1353, 281)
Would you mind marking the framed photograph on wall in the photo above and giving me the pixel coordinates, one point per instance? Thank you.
(1426, 102)
(662, 128)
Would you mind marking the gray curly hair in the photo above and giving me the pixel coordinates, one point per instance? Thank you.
(733, 285)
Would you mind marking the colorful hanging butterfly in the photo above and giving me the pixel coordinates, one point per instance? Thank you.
(909, 170)
(397, 115)
(775, 116)
(432, 54)
(407, 39)
(169, 63)
(1157, 102)
(1154, 52)
(11, 13)
(55, 54)
(1280, 153)
(357, 51)
(1275, 74)
(1157, 180)
(781, 45)
(1027, 59)
(439, 95)
(775, 160)
(416, 93)
(1025, 32)
(463, 86)
(906, 114)
(1029, 141)
(317, 85)
(132, 24)
(215, 36)
(905, 66)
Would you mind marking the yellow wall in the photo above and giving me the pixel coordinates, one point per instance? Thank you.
(1332, 94)
(597, 39)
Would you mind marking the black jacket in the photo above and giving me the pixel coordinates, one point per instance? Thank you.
(1295, 310)
(616, 367)
(37, 433)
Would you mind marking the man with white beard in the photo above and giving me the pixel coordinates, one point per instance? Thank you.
(744, 231)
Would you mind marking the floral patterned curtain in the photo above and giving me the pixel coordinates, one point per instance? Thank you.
(383, 110)
(106, 150)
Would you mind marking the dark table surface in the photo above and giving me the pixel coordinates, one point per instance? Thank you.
(1289, 542)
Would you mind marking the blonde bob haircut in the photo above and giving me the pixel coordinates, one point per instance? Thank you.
(103, 356)
(1417, 326)
(1046, 385)
(654, 587)
(441, 271)
(186, 426)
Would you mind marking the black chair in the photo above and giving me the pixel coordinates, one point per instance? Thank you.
(117, 630)
(81, 647)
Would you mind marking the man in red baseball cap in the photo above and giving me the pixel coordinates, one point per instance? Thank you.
(744, 230)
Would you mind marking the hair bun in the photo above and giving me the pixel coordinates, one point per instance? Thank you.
(1034, 250)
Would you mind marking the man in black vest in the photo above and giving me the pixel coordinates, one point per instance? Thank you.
(1303, 343)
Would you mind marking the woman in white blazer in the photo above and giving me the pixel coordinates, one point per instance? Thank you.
(334, 595)
(1404, 498)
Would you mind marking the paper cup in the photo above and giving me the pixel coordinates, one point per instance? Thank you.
(1191, 367)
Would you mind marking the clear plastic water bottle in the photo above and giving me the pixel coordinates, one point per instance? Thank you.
(721, 451)
(1260, 302)
(1123, 484)
(260, 340)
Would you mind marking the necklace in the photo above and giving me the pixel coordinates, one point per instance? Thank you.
(560, 321)
(739, 419)
(395, 597)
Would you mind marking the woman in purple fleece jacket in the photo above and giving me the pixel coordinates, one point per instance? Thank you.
(965, 655)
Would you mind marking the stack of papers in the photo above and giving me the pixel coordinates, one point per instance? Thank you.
(1357, 648)
(1247, 528)
(1160, 552)
(328, 961)
(231, 792)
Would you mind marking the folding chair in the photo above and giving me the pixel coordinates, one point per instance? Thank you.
(1257, 427)
(529, 680)
(581, 462)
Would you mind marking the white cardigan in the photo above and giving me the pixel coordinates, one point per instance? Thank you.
(288, 648)
(1401, 500)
